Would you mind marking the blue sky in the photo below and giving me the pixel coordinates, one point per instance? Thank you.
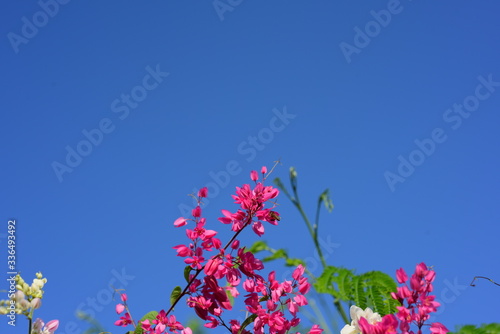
(112, 113)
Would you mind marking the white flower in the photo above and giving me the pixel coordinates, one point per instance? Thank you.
(348, 329)
(356, 314)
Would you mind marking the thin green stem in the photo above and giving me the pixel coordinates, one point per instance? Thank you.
(324, 325)
(341, 310)
(312, 230)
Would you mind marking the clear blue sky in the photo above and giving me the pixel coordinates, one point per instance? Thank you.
(113, 112)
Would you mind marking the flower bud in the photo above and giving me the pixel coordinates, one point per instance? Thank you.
(181, 221)
(52, 326)
(19, 295)
(38, 325)
(119, 308)
(36, 303)
(254, 176)
(24, 304)
(401, 276)
(203, 192)
(235, 244)
(196, 211)
(38, 283)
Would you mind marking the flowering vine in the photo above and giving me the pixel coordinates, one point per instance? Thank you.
(216, 271)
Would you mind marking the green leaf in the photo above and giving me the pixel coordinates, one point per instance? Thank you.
(259, 246)
(294, 262)
(359, 295)
(493, 328)
(247, 322)
(278, 254)
(372, 289)
(335, 281)
(229, 295)
(176, 293)
(149, 316)
(187, 271)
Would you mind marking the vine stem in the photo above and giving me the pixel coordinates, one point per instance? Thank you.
(489, 279)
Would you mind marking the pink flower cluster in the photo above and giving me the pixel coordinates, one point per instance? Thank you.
(161, 322)
(273, 305)
(416, 306)
(125, 319)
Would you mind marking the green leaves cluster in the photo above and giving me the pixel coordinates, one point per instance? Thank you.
(372, 289)
(493, 328)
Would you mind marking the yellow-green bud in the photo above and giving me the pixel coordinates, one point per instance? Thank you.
(37, 284)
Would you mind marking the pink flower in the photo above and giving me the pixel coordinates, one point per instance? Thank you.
(416, 301)
(301, 300)
(263, 170)
(212, 266)
(213, 322)
(196, 212)
(52, 325)
(315, 330)
(124, 320)
(401, 276)
(124, 297)
(119, 308)
(183, 250)
(388, 325)
(181, 221)
(298, 272)
(203, 192)
(146, 326)
(258, 228)
(254, 176)
(187, 330)
(438, 328)
(40, 328)
(195, 262)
